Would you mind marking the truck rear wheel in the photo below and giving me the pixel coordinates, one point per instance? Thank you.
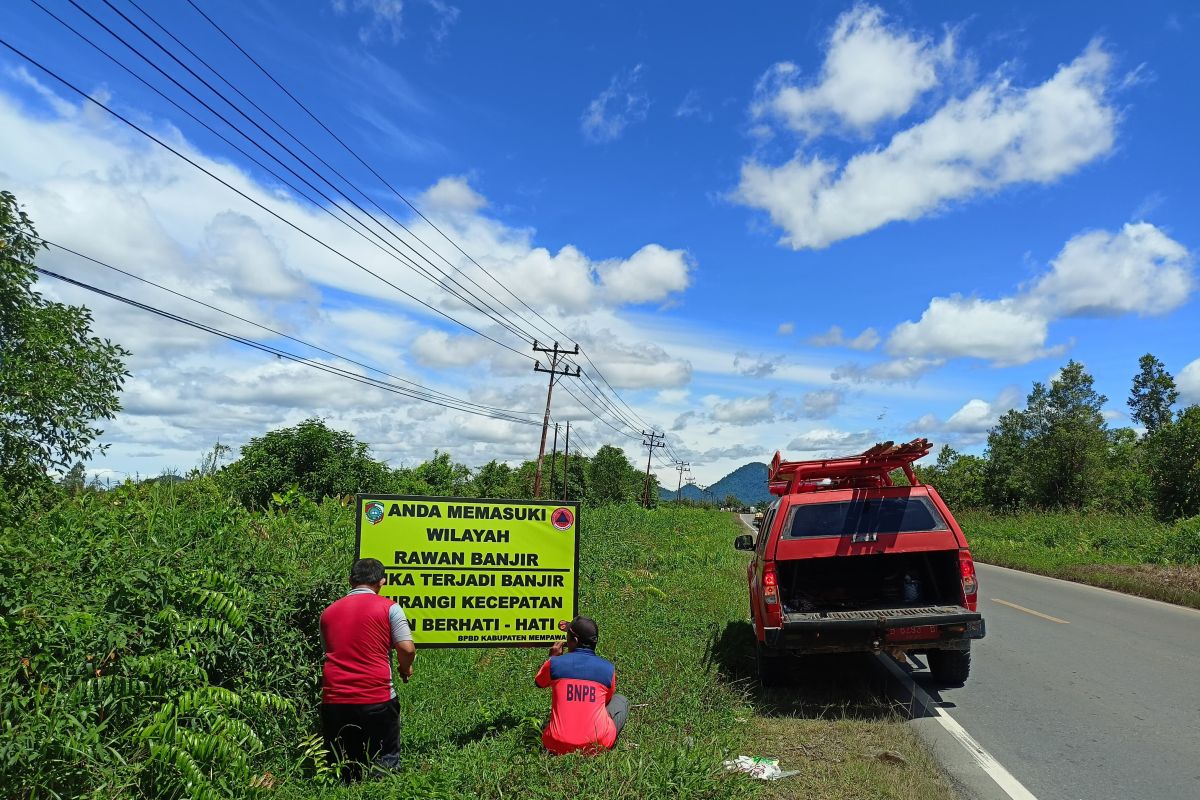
(950, 667)
(772, 667)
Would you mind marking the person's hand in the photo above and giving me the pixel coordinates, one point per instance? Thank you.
(556, 649)
(406, 674)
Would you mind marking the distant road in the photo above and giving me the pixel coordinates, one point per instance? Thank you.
(1083, 693)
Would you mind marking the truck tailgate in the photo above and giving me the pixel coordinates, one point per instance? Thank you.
(883, 618)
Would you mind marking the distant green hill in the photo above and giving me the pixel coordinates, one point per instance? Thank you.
(748, 483)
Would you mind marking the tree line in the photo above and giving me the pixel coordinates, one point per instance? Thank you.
(316, 461)
(1058, 452)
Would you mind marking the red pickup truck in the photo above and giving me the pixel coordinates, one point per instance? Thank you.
(847, 561)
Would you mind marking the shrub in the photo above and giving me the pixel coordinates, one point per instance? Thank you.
(160, 641)
(318, 460)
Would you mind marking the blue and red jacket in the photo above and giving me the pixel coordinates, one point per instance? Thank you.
(582, 684)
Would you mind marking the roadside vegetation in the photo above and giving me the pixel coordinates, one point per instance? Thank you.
(1059, 492)
(1136, 554)
(159, 640)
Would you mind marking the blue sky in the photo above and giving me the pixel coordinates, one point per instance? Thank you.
(799, 226)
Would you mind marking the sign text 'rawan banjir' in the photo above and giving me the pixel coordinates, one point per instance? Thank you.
(475, 573)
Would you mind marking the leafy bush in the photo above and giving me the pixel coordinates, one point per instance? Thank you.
(1184, 546)
(320, 461)
(1046, 539)
(159, 641)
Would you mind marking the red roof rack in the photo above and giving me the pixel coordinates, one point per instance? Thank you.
(869, 468)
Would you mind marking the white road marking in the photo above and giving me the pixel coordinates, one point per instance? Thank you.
(1030, 611)
(982, 758)
(1003, 778)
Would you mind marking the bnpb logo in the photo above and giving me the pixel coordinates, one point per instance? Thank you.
(562, 519)
(374, 512)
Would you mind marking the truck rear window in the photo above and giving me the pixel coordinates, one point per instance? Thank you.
(873, 515)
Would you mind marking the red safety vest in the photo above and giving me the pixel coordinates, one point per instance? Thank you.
(358, 650)
(581, 684)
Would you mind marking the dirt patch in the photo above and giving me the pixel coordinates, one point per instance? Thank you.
(1182, 578)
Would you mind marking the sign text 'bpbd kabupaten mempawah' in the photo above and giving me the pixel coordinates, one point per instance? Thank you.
(475, 573)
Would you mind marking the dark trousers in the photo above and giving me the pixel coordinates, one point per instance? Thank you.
(362, 735)
(618, 709)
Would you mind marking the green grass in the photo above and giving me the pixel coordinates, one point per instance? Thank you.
(1130, 553)
(124, 583)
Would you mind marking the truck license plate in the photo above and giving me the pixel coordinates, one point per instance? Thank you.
(912, 633)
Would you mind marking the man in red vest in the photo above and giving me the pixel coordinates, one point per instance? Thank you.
(360, 716)
(585, 714)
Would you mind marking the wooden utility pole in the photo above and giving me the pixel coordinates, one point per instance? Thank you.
(555, 373)
(567, 465)
(681, 466)
(654, 441)
(553, 459)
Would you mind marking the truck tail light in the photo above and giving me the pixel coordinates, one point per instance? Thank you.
(770, 583)
(970, 584)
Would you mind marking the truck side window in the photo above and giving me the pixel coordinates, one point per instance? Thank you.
(764, 532)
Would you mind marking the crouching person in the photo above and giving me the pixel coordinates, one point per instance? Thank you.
(360, 716)
(585, 714)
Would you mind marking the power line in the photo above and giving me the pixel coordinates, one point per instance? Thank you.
(372, 170)
(402, 197)
(605, 405)
(266, 348)
(245, 196)
(495, 316)
(608, 404)
(383, 245)
(366, 197)
(592, 411)
(279, 333)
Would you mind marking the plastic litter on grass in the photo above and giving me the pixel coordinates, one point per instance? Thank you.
(766, 769)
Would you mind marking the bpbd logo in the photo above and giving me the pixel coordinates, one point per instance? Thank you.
(374, 512)
(562, 519)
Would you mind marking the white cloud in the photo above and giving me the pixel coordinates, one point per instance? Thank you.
(1003, 331)
(91, 185)
(1096, 274)
(755, 366)
(820, 405)
(1137, 270)
(617, 107)
(650, 274)
(898, 370)
(438, 349)
(385, 18)
(672, 397)
(745, 410)
(873, 71)
(834, 337)
(689, 106)
(636, 364)
(830, 441)
(1188, 383)
(971, 422)
(996, 136)
(452, 194)
(786, 328)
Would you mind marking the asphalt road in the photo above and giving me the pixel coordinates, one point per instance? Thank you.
(1083, 693)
